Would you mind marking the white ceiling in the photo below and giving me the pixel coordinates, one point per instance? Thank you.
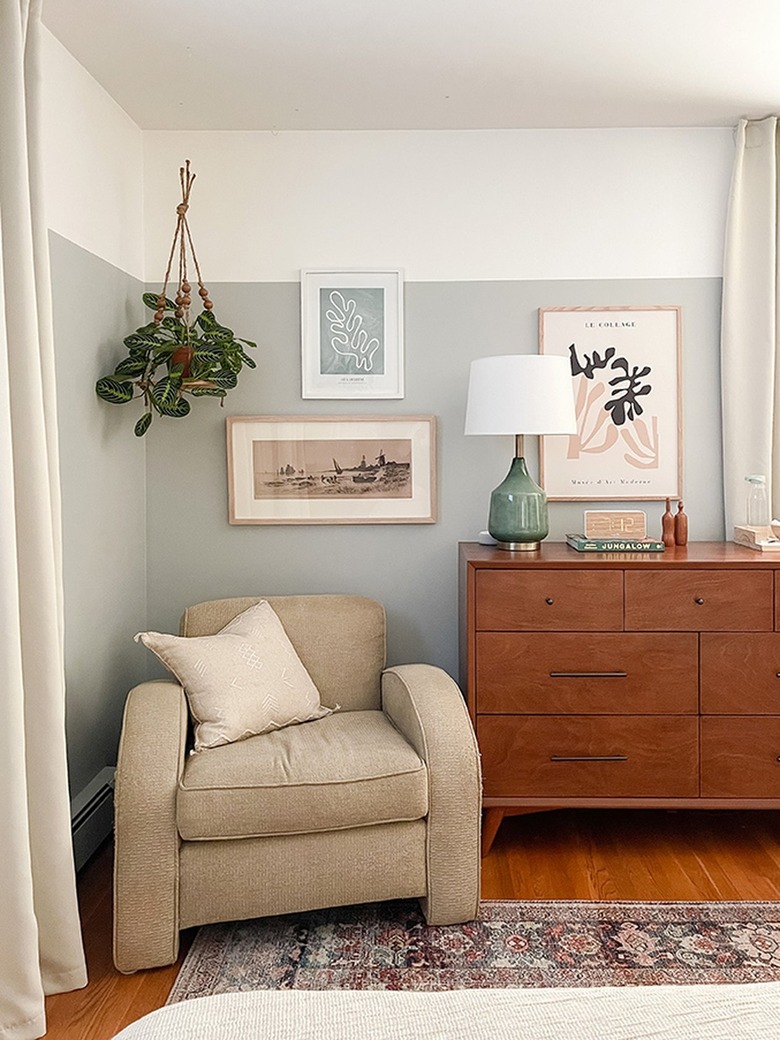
(427, 64)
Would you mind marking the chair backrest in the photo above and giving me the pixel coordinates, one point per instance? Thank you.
(340, 639)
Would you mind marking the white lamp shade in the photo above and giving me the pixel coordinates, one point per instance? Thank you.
(521, 393)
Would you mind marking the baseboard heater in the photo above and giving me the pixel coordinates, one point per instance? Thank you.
(92, 815)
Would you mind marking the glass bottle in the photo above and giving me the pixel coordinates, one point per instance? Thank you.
(757, 501)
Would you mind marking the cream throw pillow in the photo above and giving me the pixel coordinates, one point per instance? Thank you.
(246, 679)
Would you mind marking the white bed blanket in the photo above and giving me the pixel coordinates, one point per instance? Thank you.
(708, 1012)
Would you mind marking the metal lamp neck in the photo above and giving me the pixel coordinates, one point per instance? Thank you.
(519, 445)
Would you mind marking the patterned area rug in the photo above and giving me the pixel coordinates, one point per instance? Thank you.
(512, 944)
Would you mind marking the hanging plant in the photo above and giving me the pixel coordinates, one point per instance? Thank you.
(173, 357)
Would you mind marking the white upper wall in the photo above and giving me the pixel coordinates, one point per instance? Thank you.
(445, 205)
(93, 163)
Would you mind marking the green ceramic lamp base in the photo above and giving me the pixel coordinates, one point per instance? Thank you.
(518, 517)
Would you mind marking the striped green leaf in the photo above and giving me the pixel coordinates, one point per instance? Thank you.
(212, 357)
(177, 410)
(140, 341)
(132, 366)
(143, 424)
(225, 378)
(151, 299)
(173, 324)
(166, 390)
(207, 321)
(219, 336)
(208, 391)
(114, 391)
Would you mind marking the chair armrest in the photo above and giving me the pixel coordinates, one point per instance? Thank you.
(427, 707)
(146, 868)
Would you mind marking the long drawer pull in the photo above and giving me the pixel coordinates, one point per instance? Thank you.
(589, 758)
(588, 675)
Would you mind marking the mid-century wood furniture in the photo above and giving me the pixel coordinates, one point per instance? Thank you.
(648, 680)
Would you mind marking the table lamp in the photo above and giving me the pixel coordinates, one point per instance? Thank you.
(520, 394)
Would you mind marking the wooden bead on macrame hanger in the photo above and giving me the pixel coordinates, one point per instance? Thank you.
(182, 237)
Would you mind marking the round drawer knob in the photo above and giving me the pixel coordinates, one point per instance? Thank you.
(698, 600)
(549, 601)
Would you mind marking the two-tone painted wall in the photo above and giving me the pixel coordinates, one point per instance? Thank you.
(94, 199)
(488, 226)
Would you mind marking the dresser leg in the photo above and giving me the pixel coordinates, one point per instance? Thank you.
(495, 816)
(490, 825)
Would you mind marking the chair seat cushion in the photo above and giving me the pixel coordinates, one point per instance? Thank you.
(350, 769)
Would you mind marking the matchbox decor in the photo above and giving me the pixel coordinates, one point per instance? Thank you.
(615, 523)
(174, 357)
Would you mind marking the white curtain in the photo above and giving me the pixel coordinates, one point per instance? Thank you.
(40, 938)
(749, 335)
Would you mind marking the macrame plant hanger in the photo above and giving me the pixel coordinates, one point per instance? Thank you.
(182, 237)
(176, 356)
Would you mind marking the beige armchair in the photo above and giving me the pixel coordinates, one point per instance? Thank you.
(380, 800)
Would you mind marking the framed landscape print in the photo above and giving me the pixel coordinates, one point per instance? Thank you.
(625, 369)
(352, 334)
(331, 470)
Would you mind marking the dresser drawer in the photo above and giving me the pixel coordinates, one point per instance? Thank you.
(740, 673)
(551, 600)
(739, 756)
(582, 756)
(699, 600)
(617, 673)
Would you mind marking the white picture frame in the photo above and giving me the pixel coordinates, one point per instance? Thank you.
(327, 469)
(626, 378)
(352, 334)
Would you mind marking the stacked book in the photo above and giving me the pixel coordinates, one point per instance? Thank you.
(616, 545)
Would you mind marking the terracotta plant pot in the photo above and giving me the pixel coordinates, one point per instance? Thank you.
(182, 356)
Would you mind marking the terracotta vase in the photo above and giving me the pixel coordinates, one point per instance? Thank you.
(667, 525)
(680, 526)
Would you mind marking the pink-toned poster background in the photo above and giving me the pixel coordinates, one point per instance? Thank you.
(626, 382)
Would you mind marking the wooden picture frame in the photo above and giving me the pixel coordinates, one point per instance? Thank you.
(352, 334)
(332, 469)
(626, 372)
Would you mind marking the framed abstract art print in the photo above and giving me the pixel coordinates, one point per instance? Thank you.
(352, 334)
(625, 370)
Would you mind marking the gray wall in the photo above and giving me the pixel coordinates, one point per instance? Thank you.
(194, 554)
(145, 522)
(104, 504)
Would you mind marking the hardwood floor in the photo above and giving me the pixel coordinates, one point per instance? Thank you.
(610, 854)
(571, 854)
(110, 1000)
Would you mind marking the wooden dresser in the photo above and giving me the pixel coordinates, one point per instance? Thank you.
(648, 680)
